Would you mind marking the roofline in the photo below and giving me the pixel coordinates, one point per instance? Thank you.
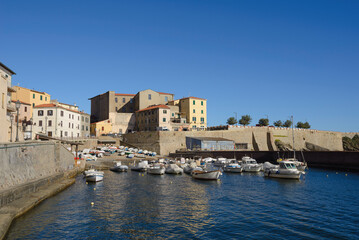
(192, 97)
(8, 69)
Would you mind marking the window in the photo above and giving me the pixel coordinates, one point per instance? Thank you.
(202, 120)
(41, 97)
(49, 112)
(164, 111)
(72, 116)
(72, 126)
(65, 134)
(40, 123)
(149, 96)
(83, 127)
(33, 96)
(202, 111)
(164, 119)
(194, 102)
(40, 113)
(123, 100)
(87, 128)
(61, 124)
(45, 98)
(69, 125)
(78, 118)
(69, 116)
(116, 99)
(103, 128)
(166, 99)
(25, 109)
(173, 114)
(194, 127)
(82, 118)
(62, 113)
(194, 119)
(50, 123)
(131, 100)
(202, 103)
(194, 110)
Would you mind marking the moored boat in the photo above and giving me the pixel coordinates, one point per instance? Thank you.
(286, 169)
(118, 167)
(250, 165)
(93, 175)
(206, 172)
(156, 169)
(173, 169)
(142, 166)
(233, 166)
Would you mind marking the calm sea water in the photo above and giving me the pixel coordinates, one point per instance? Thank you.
(240, 206)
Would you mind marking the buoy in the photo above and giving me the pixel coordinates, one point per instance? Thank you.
(336, 173)
(87, 183)
(92, 203)
(346, 174)
(94, 189)
(327, 175)
(171, 182)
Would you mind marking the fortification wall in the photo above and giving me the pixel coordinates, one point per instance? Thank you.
(257, 138)
(21, 163)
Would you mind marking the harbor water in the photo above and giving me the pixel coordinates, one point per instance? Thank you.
(132, 205)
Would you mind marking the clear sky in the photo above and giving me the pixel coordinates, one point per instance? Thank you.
(262, 58)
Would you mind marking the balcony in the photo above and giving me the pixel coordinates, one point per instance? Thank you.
(10, 89)
(10, 107)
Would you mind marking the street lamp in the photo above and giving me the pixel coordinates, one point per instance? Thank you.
(17, 105)
(11, 119)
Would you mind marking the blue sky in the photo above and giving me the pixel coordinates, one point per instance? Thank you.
(275, 58)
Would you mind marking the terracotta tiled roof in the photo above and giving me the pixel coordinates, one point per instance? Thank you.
(46, 105)
(154, 107)
(165, 93)
(20, 102)
(193, 98)
(124, 94)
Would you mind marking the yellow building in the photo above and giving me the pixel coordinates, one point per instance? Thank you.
(102, 127)
(31, 97)
(195, 111)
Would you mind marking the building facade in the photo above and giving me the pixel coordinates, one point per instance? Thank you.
(30, 96)
(153, 118)
(101, 127)
(57, 121)
(6, 108)
(195, 111)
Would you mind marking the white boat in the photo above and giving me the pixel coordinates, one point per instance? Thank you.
(220, 162)
(206, 173)
(250, 165)
(173, 169)
(301, 166)
(189, 167)
(142, 166)
(233, 166)
(156, 169)
(286, 169)
(93, 175)
(130, 155)
(118, 167)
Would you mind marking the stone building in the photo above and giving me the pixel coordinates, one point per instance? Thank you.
(153, 118)
(6, 108)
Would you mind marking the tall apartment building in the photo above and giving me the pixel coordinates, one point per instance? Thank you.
(6, 108)
(60, 120)
(195, 111)
(30, 96)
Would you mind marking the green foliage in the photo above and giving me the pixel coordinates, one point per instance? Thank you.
(245, 120)
(278, 123)
(263, 122)
(351, 144)
(287, 123)
(231, 121)
(305, 125)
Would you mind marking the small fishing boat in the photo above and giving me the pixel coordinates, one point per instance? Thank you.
(93, 175)
(173, 169)
(156, 169)
(220, 162)
(207, 172)
(286, 169)
(301, 166)
(250, 165)
(130, 155)
(118, 167)
(233, 166)
(142, 166)
(189, 167)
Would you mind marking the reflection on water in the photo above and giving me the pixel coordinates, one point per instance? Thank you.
(141, 206)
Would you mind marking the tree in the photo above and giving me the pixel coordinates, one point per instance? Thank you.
(305, 125)
(263, 122)
(245, 120)
(231, 121)
(287, 123)
(278, 123)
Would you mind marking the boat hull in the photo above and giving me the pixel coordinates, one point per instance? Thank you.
(202, 175)
(139, 169)
(156, 171)
(252, 168)
(232, 170)
(94, 178)
(119, 169)
(278, 174)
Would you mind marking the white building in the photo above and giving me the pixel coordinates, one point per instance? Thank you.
(55, 120)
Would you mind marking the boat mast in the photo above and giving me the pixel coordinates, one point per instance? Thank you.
(293, 136)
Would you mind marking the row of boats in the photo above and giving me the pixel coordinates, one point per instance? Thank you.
(208, 168)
